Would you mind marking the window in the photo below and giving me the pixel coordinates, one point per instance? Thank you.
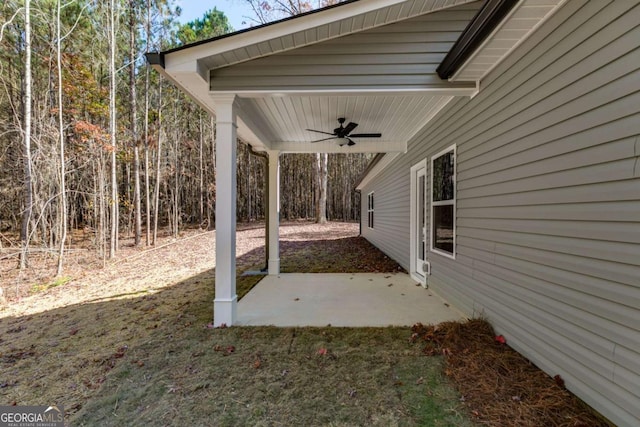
(443, 202)
(370, 210)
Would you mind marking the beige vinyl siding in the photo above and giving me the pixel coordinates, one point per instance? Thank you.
(401, 55)
(548, 202)
(391, 233)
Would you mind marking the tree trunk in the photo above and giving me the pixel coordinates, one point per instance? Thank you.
(156, 205)
(146, 133)
(28, 188)
(321, 183)
(201, 170)
(134, 123)
(113, 244)
(63, 189)
(176, 184)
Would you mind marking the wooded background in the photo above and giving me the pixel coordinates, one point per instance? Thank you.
(92, 139)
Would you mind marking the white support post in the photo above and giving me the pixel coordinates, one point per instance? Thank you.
(225, 302)
(274, 213)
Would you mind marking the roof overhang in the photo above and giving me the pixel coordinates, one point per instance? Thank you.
(189, 68)
(302, 30)
(274, 117)
(498, 28)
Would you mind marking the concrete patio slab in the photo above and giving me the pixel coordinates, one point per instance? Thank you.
(342, 299)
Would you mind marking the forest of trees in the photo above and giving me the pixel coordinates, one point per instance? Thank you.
(92, 139)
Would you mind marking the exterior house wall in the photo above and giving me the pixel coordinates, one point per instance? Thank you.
(548, 202)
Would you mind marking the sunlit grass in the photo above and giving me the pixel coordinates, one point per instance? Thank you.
(58, 281)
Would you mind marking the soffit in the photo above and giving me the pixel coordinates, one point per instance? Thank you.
(301, 31)
(525, 17)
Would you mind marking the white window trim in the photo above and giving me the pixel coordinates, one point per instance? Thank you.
(444, 203)
(370, 209)
(415, 275)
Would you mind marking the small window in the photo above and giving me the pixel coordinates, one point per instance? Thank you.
(370, 210)
(443, 202)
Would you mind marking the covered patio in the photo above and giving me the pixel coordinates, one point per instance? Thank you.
(342, 299)
(304, 85)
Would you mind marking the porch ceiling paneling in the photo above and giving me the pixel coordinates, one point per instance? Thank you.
(396, 117)
(375, 68)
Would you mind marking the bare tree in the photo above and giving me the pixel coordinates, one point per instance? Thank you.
(321, 173)
(113, 244)
(28, 188)
(156, 196)
(62, 104)
(63, 187)
(146, 132)
(134, 122)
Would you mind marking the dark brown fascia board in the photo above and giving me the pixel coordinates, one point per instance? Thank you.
(483, 24)
(155, 58)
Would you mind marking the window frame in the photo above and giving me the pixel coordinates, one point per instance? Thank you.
(451, 202)
(370, 206)
(418, 274)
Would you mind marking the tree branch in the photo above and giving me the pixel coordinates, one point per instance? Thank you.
(9, 21)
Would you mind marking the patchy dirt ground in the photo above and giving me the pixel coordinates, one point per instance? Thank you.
(87, 278)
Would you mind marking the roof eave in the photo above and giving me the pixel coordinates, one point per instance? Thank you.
(482, 25)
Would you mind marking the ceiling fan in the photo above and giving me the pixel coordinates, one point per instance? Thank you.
(343, 133)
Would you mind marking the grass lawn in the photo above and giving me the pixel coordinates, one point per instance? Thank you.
(270, 376)
(147, 358)
(129, 345)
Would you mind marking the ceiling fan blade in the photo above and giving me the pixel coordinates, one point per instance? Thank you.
(319, 131)
(350, 127)
(351, 142)
(365, 135)
(324, 139)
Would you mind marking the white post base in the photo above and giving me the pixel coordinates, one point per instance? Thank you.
(224, 311)
(274, 267)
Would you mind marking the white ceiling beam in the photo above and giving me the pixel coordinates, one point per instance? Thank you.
(250, 127)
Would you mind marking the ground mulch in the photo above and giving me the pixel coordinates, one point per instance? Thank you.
(499, 386)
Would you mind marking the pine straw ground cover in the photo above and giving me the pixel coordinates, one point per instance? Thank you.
(499, 386)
